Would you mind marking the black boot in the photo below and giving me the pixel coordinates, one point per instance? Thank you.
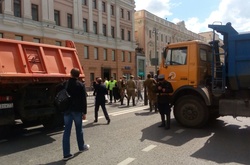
(162, 121)
(128, 102)
(122, 102)
(133, 102)
(156, 108)
(168, 122)
(96, 117)
(150, 106)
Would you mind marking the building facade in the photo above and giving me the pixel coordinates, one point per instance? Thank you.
(152, 33)
(103, 31)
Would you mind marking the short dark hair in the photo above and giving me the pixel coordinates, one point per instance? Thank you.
(75, 72)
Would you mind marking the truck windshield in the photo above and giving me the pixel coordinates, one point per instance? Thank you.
(176, 56)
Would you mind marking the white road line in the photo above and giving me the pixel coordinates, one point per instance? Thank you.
(166, 138)
(180, 131)
(150, 147)
(32, 133)
(126, 161)
(127, 111)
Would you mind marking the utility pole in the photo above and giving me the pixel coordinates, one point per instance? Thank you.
(156, 57)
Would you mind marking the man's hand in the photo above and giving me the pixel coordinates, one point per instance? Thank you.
(84, 116)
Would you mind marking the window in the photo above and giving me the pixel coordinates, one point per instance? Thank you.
(129, 36)
(122, 13)
(122, 34)
(69, 21)
(17, 37)
(103, 7)
(85, 25)
(113, 31)
(161, 37)
(36, 40)
(34, 10)
(57, 17)
(92, 77)
(86, 52)
(1, 35)
(166, 39)
(95, 27)
(129, 57)
(58, 43)
(113, 55)
(176, 56)
(112, 10)
(1, 7)
(105, 54)
(94, 4)
(128, 15)
(104, 29)
(17, 8)
(96, 53)
(84, 2)
(203, 55)
(123, 56)
(150, 33)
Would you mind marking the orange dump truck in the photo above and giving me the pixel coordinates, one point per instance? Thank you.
(29, 74)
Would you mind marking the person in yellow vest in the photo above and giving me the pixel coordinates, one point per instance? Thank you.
(111, 85)
(131, 86)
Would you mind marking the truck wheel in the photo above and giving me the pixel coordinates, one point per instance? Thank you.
(191, 111)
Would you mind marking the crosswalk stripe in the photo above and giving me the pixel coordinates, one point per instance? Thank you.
(150, 147)
(126, 161)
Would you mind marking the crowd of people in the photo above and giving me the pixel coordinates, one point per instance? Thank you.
(156, 90)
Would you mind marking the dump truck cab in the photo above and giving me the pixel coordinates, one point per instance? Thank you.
(187, 66)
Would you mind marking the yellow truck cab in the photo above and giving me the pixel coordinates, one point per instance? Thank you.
(187, 66)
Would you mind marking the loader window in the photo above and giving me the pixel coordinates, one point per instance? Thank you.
(176, 56)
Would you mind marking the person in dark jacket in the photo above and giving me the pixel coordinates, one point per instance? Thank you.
(76, 112)
(100, 100)
(163, 88)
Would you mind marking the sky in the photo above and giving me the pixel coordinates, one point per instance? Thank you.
(197, 14)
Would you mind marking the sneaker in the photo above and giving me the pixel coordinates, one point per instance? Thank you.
(85, 148)
(65, 158)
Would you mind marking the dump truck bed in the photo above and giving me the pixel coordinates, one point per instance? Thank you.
(22, 61)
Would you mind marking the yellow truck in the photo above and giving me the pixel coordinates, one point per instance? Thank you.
(207, 82)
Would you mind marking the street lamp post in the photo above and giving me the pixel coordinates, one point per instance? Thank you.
(155, 31)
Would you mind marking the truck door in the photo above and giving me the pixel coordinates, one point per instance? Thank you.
(175, 66)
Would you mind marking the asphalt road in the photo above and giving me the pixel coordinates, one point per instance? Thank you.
(133, 138)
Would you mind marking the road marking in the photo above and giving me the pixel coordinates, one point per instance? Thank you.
(32, 133)
(166, 138)
(180, 131)
(127, 111)
(126, 161)
(149, 148)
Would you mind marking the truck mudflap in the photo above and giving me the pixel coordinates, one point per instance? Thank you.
(7, 115)
(234, 107)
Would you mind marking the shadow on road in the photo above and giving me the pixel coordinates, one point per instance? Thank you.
(226, 143)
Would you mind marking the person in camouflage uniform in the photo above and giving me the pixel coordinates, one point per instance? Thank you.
(122, 87)
(150, 84)
(131, 86)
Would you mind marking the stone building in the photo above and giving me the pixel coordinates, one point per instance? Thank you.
(152, 33)
(103, 30)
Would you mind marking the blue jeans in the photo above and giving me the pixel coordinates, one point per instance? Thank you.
(69, 117)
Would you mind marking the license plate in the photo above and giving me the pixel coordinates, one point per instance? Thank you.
(6, 105)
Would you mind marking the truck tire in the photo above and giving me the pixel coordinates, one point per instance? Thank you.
(191, 111)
